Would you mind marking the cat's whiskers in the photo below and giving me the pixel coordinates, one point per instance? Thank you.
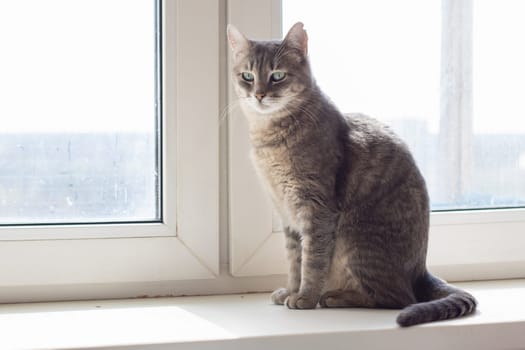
(300, 107)
(228, 109)
(311, 116)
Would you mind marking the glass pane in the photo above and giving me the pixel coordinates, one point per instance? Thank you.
(448, 85)
(498, 176)
(79, 111)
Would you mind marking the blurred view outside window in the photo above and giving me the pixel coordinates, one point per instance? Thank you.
(79, 111)
(447, 75)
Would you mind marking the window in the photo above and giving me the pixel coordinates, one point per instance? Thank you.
(402, 67)
(80, 138)
(154, 140)
(434, 72)
(170, 244)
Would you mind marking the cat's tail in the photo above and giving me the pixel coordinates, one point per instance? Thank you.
(437, 300)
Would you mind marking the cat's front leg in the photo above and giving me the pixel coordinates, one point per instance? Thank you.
(317, 251)
(293, 253)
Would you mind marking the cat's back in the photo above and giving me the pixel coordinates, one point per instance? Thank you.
(380, 163)
(369, 133)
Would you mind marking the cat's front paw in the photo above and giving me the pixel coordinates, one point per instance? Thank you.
(280, 295)
(301, 301)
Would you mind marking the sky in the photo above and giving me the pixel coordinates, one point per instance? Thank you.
(76, 66)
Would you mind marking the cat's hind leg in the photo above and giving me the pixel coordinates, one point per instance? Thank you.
(345, 298)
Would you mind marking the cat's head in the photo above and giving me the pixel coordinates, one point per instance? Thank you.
(271, 78)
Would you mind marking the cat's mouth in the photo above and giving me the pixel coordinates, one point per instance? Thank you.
(267, 105)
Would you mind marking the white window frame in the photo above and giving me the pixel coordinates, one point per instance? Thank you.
(463, 245)
(59, 262)
(185, 253)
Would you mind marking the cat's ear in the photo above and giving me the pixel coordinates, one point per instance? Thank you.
(297, 38)
(237, 40)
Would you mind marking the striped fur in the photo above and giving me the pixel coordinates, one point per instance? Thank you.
(353, 203)
(438, 301)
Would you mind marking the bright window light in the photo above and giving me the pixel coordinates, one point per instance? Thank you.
(79, 111)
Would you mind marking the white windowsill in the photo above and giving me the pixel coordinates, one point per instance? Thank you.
(251, 322)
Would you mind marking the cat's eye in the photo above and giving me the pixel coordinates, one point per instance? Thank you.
(247, 76)
(278, 76)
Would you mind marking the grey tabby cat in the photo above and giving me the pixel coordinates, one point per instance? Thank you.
(354, 205)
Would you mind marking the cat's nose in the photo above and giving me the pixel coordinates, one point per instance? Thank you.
(259, 96)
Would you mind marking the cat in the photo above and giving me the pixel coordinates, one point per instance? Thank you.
(354, 206)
